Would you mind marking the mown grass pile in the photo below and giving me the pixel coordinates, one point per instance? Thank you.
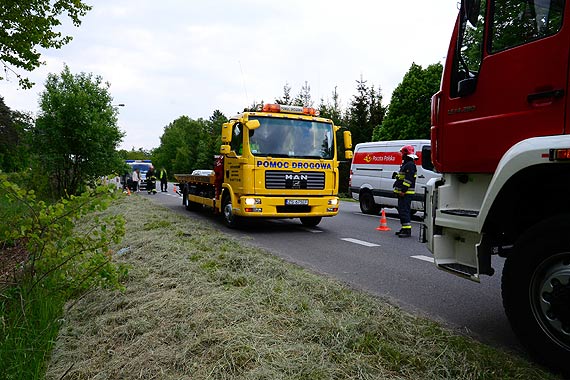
(200, 304)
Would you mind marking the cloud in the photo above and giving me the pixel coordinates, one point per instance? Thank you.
(175, 58)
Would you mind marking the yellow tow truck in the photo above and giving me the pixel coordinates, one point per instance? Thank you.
(278, 162)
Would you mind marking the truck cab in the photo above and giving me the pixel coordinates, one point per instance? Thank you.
(500, 141)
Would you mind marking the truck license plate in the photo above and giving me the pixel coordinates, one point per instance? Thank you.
(296, 202)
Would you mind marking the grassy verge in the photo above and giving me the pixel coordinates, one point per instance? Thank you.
(28, 320)
(28, 330)
(200, 304)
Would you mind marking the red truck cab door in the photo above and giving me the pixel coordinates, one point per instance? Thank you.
(505, 80)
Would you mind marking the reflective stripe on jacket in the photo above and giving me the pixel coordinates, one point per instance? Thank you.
(406, 179)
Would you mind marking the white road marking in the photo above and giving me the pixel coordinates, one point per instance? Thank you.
(369, 215)
(424, 258)
(361, 242)
(312, 230)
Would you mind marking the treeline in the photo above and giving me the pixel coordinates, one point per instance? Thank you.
(74, 139)
(188, 144)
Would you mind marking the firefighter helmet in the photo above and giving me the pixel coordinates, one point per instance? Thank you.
(407, 150)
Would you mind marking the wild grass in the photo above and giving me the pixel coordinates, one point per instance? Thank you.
(199, 304)
(28, 329)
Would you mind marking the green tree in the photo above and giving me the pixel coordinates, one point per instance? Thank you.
(180, 149)
(14, 132)
(135, 154)
(76, 133)
(375, 107)
(27, 25)
(332, 110)
(286, 99)
(358, 114)
(212, 139)
(408, 115)
(304, 97)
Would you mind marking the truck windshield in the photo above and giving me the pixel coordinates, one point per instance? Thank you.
(297, 138)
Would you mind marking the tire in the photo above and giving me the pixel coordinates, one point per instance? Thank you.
(230, 219)
(367, 205)
(536, 292)
(185, 196)
(190, 206)
(311, 221)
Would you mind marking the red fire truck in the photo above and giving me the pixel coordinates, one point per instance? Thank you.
(500, 138)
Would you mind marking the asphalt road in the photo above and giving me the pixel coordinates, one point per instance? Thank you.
(348, 247)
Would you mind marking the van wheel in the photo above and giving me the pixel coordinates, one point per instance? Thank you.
(367, 205)
(536, 292)
(311, 221)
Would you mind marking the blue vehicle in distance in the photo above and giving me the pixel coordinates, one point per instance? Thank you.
(143, 166)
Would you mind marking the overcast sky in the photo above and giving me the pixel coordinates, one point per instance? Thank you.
(168, 58)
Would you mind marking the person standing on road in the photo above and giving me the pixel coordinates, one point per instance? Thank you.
(404, 187)
(151, 180)
(135, 178)
(163, 180)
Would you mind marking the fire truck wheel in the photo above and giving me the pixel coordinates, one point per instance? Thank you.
(230, 219)
(367, 204)
(311, 221)
(536, 292)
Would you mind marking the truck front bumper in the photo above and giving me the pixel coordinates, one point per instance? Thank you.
(286, 207)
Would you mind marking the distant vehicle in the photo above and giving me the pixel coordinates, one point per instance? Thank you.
(371, 181)
(143, 166)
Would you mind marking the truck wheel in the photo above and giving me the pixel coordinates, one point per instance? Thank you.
(185, 196)
(230, 219)
(311, 221)
(536, 292)
(367, 205)
(190, 206)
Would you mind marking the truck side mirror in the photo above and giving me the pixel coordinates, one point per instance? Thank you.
(471, 9)
(466, 87)
(252, 124)
(227, 132)
(225, 149)
(347, 139)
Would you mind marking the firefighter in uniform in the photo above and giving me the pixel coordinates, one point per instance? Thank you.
(151, 180)
(404, 187)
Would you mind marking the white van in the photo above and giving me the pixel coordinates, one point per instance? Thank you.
(371, 173)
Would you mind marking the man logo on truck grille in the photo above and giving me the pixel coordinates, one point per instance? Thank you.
(296, 181)
(276, 179)
(296, 177)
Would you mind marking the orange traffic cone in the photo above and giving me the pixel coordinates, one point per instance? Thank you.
(175, 192)
(128, 191)
(383, 223)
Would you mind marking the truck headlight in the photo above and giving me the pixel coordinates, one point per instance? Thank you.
(333, 202)
(252, 201)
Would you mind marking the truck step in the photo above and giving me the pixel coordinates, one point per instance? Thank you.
(460, 270)
(459, 212)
